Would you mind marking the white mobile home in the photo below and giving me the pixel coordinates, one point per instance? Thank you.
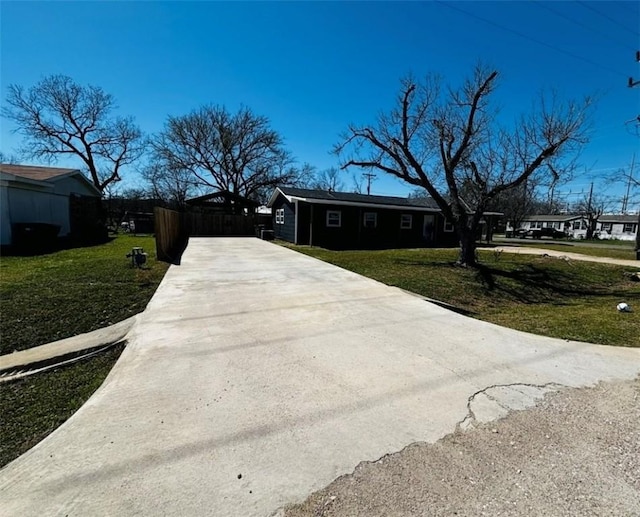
(623, 227)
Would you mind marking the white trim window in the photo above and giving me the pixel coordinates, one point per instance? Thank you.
(280, 216)
(406, 222)
(370, 220)
(629, 228)
(606, 227)
(448, 226)
(334, 218)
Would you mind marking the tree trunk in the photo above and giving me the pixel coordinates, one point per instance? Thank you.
(591, 228)
(467, 255)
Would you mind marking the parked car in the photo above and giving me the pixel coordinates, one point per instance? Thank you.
(539, 233)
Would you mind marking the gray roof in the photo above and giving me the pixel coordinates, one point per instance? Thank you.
(349, 197)
(618, 218)
(553, 218)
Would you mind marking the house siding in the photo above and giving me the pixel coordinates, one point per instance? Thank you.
(73, 185)
(5, 217)
(617, 230)
(352, 233)
(33, 206)
(565, 224)
(40, 202)
(284, 231)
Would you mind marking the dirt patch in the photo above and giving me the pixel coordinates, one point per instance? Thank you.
(576, 453)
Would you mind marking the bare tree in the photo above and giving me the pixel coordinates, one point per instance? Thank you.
(329, 179)
(59, 117)
(8, 158)
(170, 185)
(591, 207)
(632, 182)
(357, 183)
(235, 152)
(304, 176)
(450, 141)
(519, 202)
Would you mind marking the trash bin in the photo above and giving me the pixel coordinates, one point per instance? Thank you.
(34, 237)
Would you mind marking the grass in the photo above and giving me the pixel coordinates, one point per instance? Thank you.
(49, 297)
(33, 407)
(543, 295)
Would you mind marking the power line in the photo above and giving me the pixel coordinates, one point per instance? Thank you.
(612, 20)
(571, 54)
(579, 24)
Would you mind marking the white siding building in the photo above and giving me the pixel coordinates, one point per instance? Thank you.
(41, 195)
(623, 227)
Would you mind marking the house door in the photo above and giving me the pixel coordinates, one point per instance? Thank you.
(429, 229)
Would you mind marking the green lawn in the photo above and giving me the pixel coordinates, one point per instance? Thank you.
(543, 295)
(33, 407)
(49, 297)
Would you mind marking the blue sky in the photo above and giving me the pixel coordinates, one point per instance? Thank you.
(312, 68)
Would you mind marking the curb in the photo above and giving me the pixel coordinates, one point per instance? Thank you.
(64, 351)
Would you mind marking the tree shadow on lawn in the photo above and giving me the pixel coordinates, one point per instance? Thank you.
(526, 283)
(531, 284)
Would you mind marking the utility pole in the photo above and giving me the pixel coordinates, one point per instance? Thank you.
(370, 176)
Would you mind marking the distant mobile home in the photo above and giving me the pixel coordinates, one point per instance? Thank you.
(622, 227)
(609, 226)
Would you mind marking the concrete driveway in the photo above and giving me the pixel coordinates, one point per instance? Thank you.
(258, 375)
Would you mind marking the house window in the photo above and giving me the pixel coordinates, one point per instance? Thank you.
(334, 218)
(448, 226)
(370, 219)
(406, 221)
(629, 228)
(606, 227)
(280, 216)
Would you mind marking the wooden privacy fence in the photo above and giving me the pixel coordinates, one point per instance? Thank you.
(213, 225)
(172, 234)
(173, 229)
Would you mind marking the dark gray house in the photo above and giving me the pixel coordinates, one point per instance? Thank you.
(341, 220)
